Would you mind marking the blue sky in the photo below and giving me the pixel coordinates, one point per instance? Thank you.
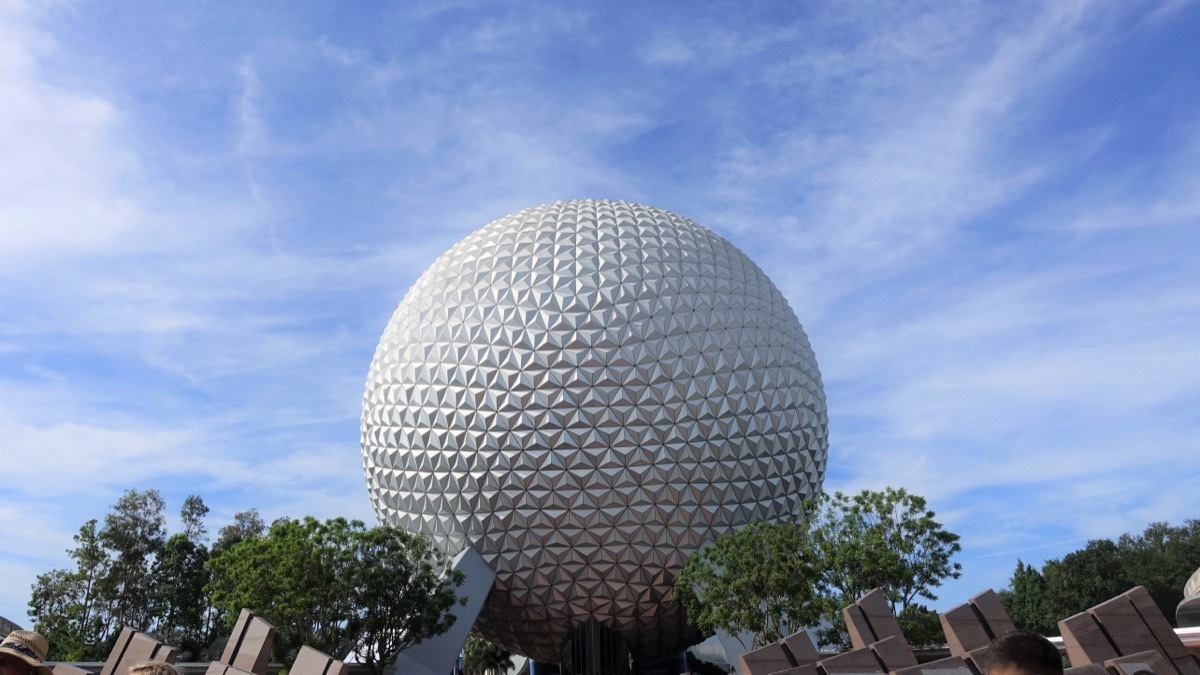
(986, 215)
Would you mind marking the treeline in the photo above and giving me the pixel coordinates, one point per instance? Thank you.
(1161, 558)
(335, 585)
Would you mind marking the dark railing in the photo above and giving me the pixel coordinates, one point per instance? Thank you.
(199, 667)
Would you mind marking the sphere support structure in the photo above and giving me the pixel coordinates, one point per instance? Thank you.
(586, 392)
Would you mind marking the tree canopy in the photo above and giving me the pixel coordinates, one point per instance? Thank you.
(128, 572)
(774, 578)
(761, 578)
(335, 585)
(402, 592)
(338, 586)
(888, 540)
(1161, 558)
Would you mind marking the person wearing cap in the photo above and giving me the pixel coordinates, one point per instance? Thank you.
(23, 652)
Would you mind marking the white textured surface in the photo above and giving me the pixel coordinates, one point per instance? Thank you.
(587, 391)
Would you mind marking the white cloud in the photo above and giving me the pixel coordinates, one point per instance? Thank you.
(668, 50)
(516, 29)
(252, 131)
(62, 178)
(1020, 352)
(693, 41)
(908, 142)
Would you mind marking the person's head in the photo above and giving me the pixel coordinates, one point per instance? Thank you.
(23, 652)
(1023, 652)
(152, 668)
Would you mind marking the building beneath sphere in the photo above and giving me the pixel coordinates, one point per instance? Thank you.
(582, 394)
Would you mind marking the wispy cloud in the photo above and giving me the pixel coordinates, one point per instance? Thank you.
(64, 164)
(995, 255)
(252, 132)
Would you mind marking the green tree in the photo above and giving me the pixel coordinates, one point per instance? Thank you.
(337, 586)
(92, 564)
(921, 626)
(128, 572)
(134, 532)
(246, 525)
(192, 517)
(180, 576)
(888, 540)
(772, 579)
(481, 657)
(178, 598)
(57, 610)
(1026, 601)
(402, 592)
(1084, 578)
(295, 578)
(1162, 558)
(67, 606)
(761, 578)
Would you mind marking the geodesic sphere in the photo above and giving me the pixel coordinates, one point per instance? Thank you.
(586, 392)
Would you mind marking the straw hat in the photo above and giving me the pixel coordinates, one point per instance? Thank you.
(28, 646)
